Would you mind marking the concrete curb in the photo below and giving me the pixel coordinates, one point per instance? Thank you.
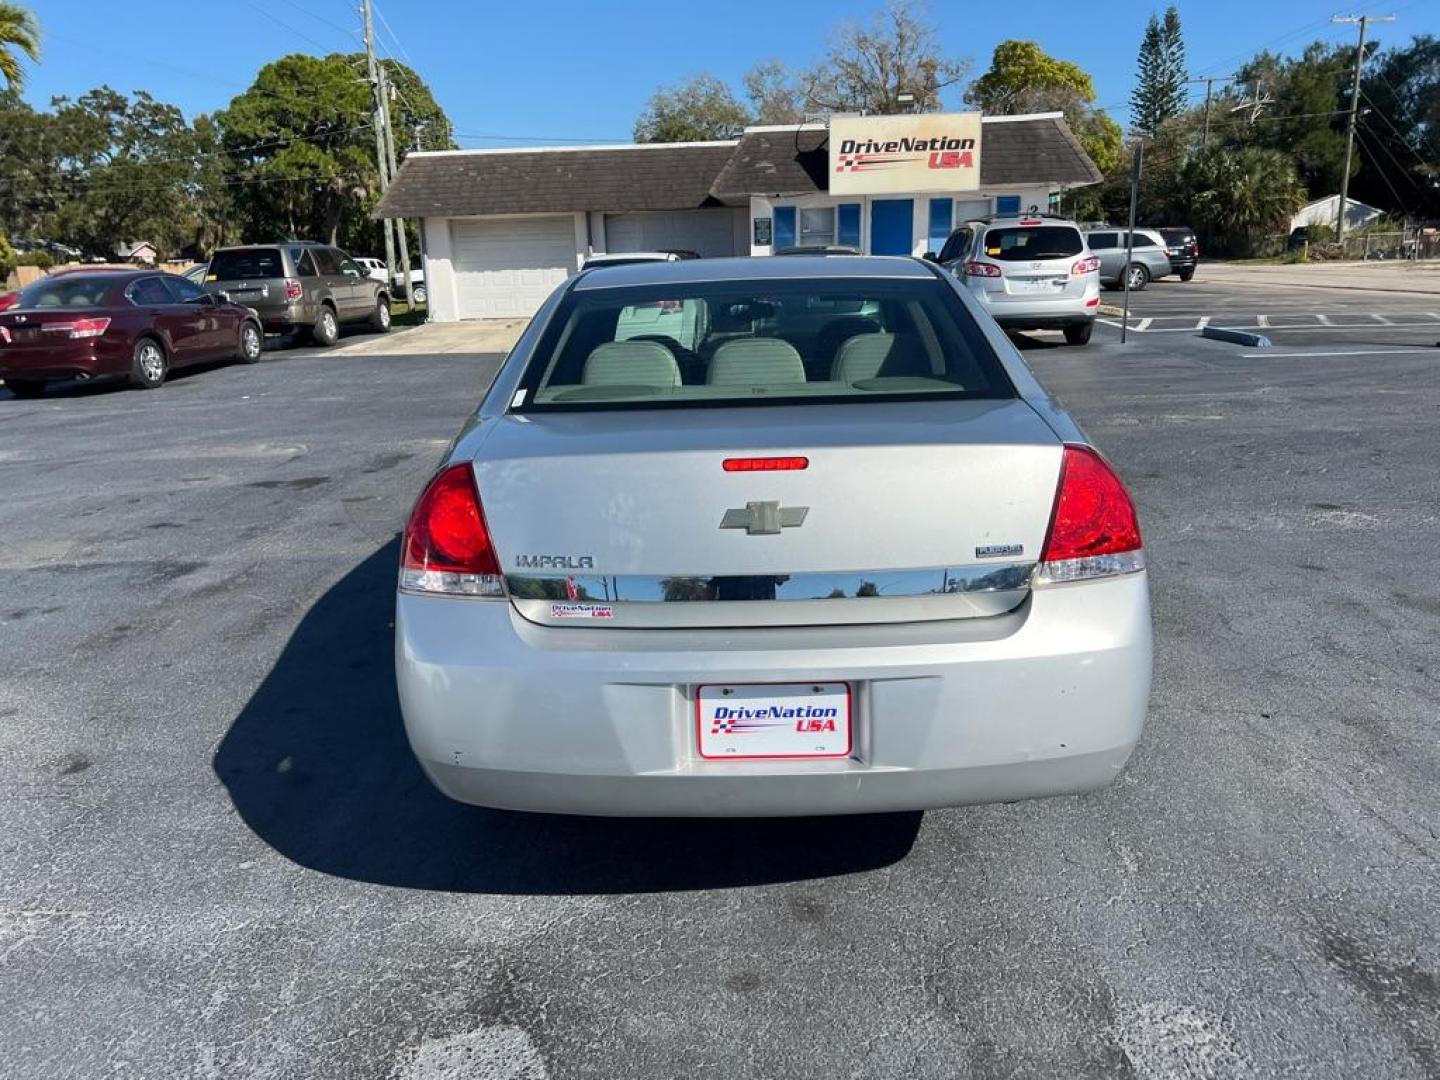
(1236, 337)
(1114, 310)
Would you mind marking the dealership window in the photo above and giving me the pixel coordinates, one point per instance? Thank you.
(942, 217)
(1007, 205)
(847, 224)
(784, 226)
(817, 225)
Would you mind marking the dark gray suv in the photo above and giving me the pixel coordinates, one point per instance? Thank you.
(300, 286)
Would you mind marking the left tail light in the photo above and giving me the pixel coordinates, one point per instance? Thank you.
(447, 547)
(1085, 266)
(293, 289)
(1094, 531)
(80, 328)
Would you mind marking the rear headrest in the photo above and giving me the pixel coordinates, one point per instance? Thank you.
(755, 362)
(867, 356)
(631, 363)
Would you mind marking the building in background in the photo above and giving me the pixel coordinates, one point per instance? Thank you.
(503, 227)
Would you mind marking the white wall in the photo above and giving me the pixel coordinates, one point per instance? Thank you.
(442, 305)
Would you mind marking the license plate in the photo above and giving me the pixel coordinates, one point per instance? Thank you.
(26, 333)
(1035, 284)
(743, 721)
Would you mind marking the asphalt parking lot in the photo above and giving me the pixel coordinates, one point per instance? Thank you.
(218, 858)
(1313, 319)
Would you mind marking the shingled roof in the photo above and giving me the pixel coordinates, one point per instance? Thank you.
(683, 176)
(1013, 150)
(653, 176)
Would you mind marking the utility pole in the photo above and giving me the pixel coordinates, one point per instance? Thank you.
(401, 240)
(424, 277)
(1130, 236)
(382, 160)
(1363, 21)
(1209, 81)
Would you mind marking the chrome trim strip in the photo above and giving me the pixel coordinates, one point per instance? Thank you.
(872, 584)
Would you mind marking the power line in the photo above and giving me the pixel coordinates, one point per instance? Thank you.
(385, 23)
(284, 25)
(1375, 161)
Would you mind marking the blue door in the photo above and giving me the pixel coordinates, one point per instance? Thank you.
(892, 226)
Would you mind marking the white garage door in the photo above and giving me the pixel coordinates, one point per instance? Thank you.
(506, 267)
(711, 233)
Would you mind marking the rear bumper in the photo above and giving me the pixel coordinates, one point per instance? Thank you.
(87, 358)
(1047, 700)
(1048, 313)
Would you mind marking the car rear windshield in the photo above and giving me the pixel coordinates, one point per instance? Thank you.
(1026, 242)
(66, 292)
(246, 265)
(1177, 236)
(751, 343)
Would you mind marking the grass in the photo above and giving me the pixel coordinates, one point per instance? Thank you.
(403, 314)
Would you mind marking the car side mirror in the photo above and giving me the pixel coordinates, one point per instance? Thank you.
(221, 297)
(930, 256)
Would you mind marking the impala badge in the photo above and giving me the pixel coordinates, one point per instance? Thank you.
(996, 551)
(764, 518)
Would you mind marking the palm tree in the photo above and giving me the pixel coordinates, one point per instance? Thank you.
(19, 32)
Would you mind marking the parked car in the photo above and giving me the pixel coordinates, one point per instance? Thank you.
(1148, 260)
(1298, 238)
(1181, 248)
(300, 286)
(416, 293)
(1030, 273)
(623, 258)
(375, 269)
(9, 300)
(676, 574)
(139, 325)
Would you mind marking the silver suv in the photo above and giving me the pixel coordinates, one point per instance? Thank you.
(1148, 260)
(300, 286)
(1030, 273)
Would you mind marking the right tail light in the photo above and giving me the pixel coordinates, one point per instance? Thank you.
(447, 547)
(1093, 529)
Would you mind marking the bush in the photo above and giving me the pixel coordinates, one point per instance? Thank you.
(7, 259)
(41, 259)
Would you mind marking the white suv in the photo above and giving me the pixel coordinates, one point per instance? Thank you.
(1030, 273)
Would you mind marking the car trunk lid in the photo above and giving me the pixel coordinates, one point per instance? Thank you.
(904, 511)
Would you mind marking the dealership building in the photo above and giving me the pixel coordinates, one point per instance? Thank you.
(503, 227)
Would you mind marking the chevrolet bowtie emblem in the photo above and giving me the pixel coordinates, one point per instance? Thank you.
(764, 518)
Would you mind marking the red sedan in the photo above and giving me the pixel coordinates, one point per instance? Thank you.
(136, 324)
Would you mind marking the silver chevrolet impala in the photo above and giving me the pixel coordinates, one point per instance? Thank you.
(770, 536)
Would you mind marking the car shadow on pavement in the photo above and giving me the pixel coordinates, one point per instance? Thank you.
(317, 764)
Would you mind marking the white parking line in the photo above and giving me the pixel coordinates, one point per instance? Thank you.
(1325, 319)
(1135, 328)
(1205, 319)
(1381, 319)
(1273, 355)
(1144, 324)
(1264, 320)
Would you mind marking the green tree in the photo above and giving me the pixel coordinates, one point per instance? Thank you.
(1400, 129)
(300, 147)
(19, 33)
(1023, 78)
(1301, 118)
(1239, 196)
(700, 108)
(123, 170)
(1160, 92)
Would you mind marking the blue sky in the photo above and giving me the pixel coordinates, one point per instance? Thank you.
(562, 71)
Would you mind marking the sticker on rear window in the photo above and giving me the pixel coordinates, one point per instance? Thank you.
(992, 251)
(581, 611)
